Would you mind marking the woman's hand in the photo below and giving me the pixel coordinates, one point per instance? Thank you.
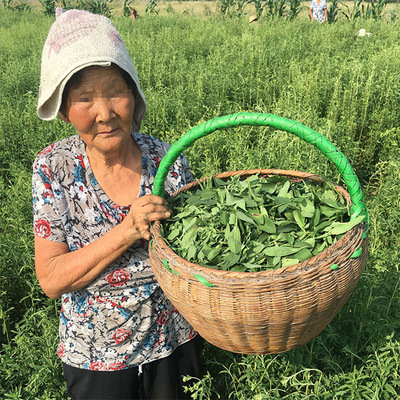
(144, 210)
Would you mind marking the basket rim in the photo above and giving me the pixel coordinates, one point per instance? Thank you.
(283, 273)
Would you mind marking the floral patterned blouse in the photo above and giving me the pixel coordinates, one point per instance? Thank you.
(318, 10)
(122, 319)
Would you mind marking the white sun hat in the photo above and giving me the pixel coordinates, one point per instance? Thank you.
(76, 40)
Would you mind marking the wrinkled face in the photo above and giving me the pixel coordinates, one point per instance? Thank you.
(101, 109)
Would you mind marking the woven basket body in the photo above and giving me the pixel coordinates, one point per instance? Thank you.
(264, 312)
(269, 311)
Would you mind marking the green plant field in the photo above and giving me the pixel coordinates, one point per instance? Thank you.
(191, 70)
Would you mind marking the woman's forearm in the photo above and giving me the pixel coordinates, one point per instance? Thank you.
(61, 271)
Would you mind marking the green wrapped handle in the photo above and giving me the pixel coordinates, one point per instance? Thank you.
(358, 206)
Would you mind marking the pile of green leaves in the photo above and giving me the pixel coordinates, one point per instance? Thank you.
(256, 223)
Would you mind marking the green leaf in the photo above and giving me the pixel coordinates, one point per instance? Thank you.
(173, 234)
(229, 260)
(277, 251)
(214, 253)
(338, 228)
(307, 210)
(284, 191)
(188, 238)
(234, 242)
(242, 216)
(299, 219)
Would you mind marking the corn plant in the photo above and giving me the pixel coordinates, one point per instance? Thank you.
(333, 11)
(224, 7)
(21, 5)
(275, 8)
(49, 6)
(295, 8)
(102, 7)
(127, 8)
(259, 6)
(151, 7)
(375, 9)
(355, 13)
(7, 4)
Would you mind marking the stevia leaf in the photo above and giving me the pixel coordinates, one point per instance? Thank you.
(303, 254)
(286, 226)
(337, 228)
(328, 211)
(242, 216)
(284, 191)
(219, 182)
(322, 226)
(214, 253)
(234, 242)
(173, 234)
(229, 199)
(250, 203)
(303, 244)
(229, 260)
(208, 194)
(188, 238)
(224, 217)
(238, 268)
(288, 262)
(253, 267)
(299, 219)
(241, 203)
(307, 210)
(280, 251)
(189, 223)
(315, 218)
(221, 196)
(191, 254)
(258, 218)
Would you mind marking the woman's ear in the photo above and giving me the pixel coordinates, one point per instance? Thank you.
(63, 117)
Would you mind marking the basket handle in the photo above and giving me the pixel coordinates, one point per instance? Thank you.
(358, 206)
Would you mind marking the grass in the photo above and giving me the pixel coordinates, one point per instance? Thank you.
(193, 69)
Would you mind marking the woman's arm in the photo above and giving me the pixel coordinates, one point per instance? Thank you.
(61, 271)
(325, 14)
(311, 15)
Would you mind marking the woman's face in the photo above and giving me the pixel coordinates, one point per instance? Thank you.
(101, 109)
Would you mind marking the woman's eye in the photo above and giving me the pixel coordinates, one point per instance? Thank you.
(117, 93)
(85, 99)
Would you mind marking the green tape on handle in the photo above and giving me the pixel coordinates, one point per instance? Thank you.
(256, 119)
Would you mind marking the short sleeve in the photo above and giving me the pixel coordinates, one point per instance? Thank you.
(179, 175)
(47, 197)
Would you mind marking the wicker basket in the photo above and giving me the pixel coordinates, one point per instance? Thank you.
(270, 311)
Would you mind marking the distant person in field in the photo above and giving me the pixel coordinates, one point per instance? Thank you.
(92, 206)
(253, 20)
(134, 13)
(318, 11)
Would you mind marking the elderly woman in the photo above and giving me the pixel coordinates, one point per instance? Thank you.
(318, 11)
(92, 207)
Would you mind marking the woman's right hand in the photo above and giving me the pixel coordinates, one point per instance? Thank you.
(144, 210)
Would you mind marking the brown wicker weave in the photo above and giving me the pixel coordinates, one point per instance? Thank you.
(264, 312)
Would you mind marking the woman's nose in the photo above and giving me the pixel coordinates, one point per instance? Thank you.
(104, 109)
